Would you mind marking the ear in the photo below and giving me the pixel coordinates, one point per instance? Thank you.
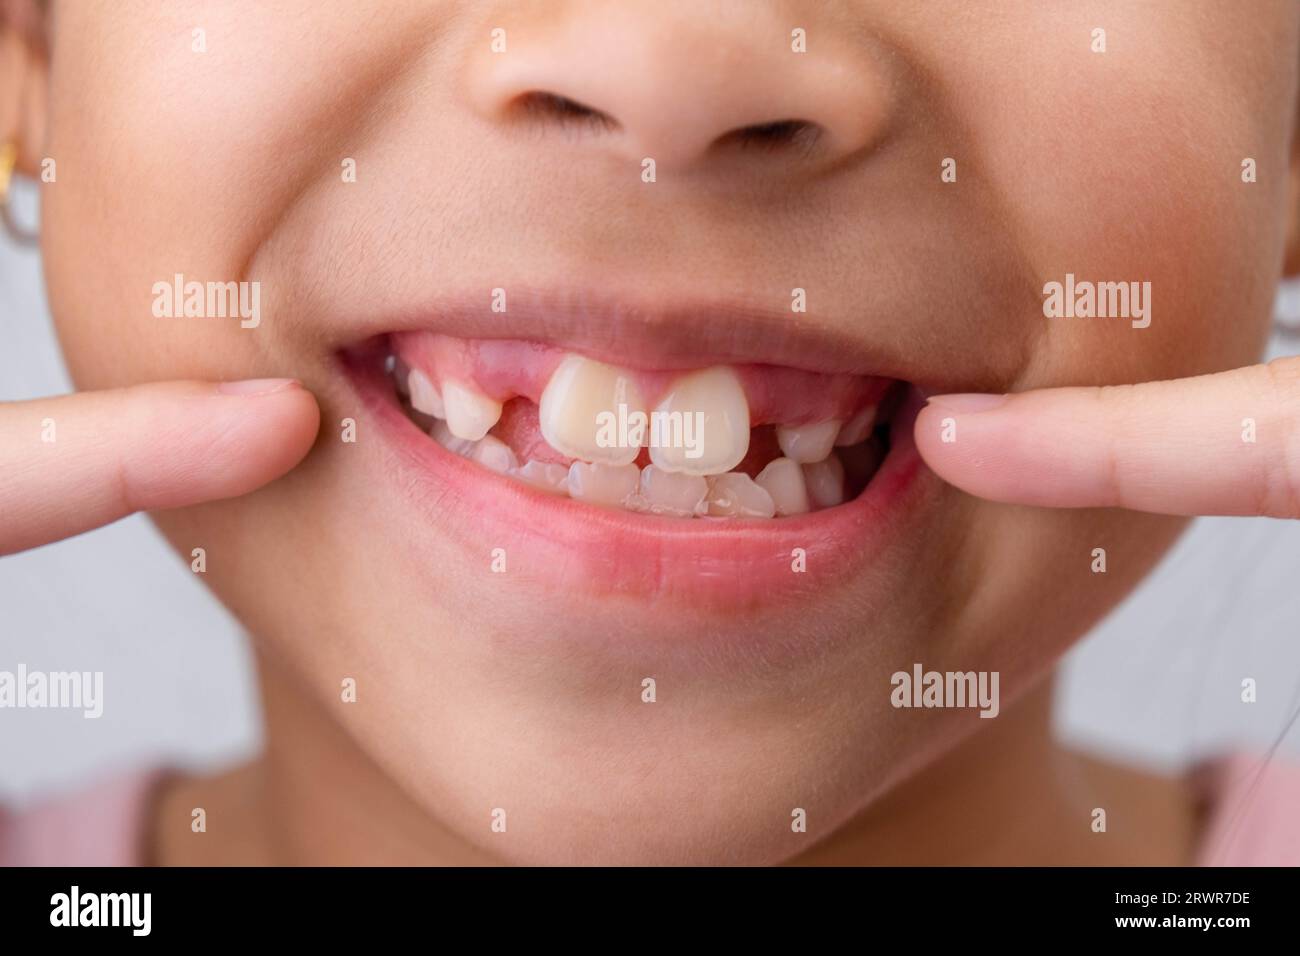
(24, 79)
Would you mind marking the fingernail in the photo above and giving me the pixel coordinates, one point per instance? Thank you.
(257, 386)
(968, 401)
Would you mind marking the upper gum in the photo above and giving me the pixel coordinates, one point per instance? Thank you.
(504, 368)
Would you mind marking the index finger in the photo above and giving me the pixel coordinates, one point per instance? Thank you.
(76, 462)
(1223, 444)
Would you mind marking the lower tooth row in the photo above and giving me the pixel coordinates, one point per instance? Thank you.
(784, 487)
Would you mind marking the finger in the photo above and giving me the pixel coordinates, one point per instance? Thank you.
(1226, 444)
(73, 463)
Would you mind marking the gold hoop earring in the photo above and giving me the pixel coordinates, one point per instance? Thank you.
(8, 163)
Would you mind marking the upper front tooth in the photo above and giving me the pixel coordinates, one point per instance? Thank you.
(424, 395)
(580, 403)
(703, 424)
(857, 428)
(806, 443)
(470, 413)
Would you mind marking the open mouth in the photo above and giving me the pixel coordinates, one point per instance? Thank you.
(724, 441)
(729, 484)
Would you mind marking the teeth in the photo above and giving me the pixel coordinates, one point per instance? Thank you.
(734, 495)
(783, 480)
(493, 454)
(857, 428)
(545, 476)
(807, 443)
(603, 484)
(470, 413)
(668, 493)
(580, 393)
(825, 481)
(724, 439)
(443, 436)
(424, 396)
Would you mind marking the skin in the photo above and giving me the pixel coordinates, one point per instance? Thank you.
(1069, 161)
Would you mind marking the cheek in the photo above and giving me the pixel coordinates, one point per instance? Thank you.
(175, 160)
(1126, 165)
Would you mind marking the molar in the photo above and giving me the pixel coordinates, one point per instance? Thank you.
(825, 481)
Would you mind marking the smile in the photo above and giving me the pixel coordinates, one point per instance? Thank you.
(727, 483)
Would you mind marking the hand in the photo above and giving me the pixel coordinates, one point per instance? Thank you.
(79, 461)
(1225, 444)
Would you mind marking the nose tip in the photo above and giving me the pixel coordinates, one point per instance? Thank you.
(685, 90)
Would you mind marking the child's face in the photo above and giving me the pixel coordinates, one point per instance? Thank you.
(522, 687)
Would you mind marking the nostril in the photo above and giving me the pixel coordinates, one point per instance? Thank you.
(776, 135)
(545, 107)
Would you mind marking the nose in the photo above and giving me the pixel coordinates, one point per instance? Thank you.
(684, 84)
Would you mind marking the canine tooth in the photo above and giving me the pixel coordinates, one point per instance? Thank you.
(715, 397)
(603, 484)
(544, 475)
(673, 493)
(825, 481)
(470, 413)
(424, 395)
(857, 428)
(494, 455)
(783, 479)
(443, 436)
(734, 494)
(580, 395)
(806, 443)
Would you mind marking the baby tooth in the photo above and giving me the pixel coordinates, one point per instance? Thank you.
(493, 454)
(805, 443)
(424, 397)
(583, 407)
(783, 480)
(825, 481)
(857, 428)
(443, 436)
(603, 484)
(735, 495)
(545, 476)
(470, 413)
(703, 424)
(669, 493)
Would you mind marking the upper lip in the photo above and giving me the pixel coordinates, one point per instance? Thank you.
(674, 333)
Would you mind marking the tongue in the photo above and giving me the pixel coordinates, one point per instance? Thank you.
(519, 428)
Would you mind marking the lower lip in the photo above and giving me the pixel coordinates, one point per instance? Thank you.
(726, 565)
